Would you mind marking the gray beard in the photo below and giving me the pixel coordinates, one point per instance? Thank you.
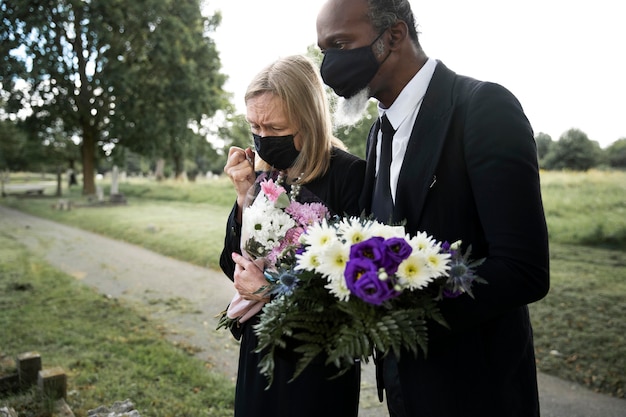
(350, 110)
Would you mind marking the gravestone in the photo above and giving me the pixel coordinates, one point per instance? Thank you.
(99, 193)
(115, 188)
(116, 196)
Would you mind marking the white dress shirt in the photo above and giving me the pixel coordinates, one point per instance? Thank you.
(402, 114)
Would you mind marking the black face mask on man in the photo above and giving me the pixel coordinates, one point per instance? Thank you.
(278, 151)
(349, 71)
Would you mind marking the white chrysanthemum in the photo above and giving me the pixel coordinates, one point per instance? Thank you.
(414, 272)
(438, 262)
(267, 229)
(254, 225)
(319, 235)
(333, 258)
(308, 261)
(353, 231)
(252, 218)
(422, 242)
(337, 287)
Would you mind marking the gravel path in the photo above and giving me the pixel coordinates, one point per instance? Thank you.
(186, 298)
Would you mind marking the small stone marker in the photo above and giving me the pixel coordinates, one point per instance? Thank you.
(53, 382)
(28, 367)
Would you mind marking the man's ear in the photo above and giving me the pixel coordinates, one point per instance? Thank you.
(398, 32)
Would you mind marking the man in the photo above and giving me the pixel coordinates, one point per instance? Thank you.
(463, 166)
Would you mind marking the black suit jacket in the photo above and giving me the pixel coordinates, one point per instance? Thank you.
(470, 173)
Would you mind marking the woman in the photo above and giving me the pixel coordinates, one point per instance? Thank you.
(287, 109)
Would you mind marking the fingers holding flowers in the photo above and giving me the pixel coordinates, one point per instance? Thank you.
(250, 282)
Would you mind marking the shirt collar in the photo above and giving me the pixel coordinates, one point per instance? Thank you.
(410, 96)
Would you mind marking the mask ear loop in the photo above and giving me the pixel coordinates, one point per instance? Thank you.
(379, 47)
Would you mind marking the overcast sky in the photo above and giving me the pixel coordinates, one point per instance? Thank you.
(564, 60)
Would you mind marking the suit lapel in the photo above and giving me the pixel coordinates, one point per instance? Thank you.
(417, 174)
(365, 201)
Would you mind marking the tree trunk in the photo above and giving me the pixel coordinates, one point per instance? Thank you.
(59, 178)
(159, 171)
(178, 167)
(88, 151)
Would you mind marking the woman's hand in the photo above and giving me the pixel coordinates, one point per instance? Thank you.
(249, 279)
(240, 169)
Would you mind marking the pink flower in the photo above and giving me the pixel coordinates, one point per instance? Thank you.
(307, 214)
(272, 190)
(289, 242)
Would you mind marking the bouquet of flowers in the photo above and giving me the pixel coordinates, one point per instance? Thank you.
(357, 286)
(341, 288)
(272, 223)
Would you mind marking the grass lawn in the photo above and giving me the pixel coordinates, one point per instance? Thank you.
(123, 356)
(579, 327)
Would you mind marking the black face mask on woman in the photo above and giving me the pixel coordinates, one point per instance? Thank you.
(349, 71)
(278, 151)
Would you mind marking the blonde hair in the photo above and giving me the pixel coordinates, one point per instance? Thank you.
(296, 82)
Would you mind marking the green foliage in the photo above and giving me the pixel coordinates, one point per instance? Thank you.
(616, 154)
(544, 145)
(235, 132)
(22, 150)
(573, 151)
(110, 72)
(123, 356)
(12, 144)
(312, 323)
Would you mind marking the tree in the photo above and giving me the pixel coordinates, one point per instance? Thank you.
(235, 132)
(616, 154)
(573, 151)
(112, 72)
(12, 144)
(544, 144)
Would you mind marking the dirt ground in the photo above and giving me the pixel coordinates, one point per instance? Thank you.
(187, 298)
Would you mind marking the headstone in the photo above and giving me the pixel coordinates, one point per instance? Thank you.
(28, 365)
(116, 196)
(99, 193)
(115, 189)
(52, 383)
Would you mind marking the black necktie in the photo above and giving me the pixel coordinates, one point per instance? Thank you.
(382, 203)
